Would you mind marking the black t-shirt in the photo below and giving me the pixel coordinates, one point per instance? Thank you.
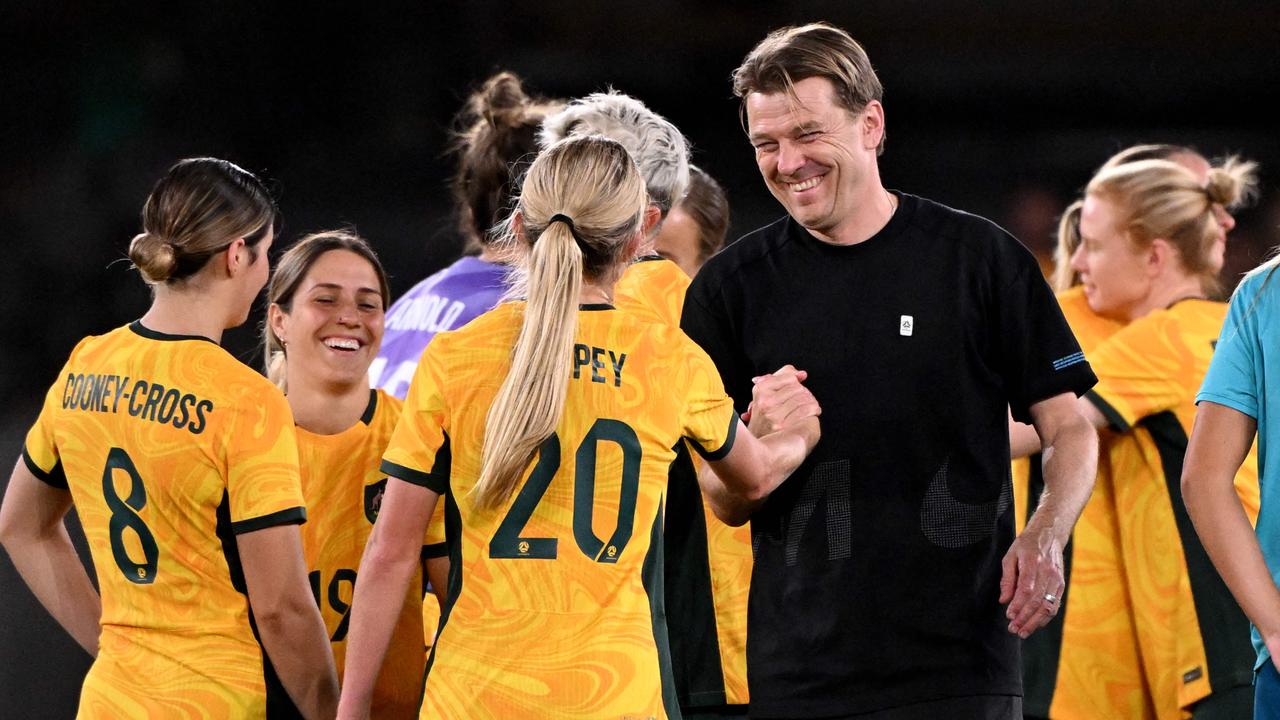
(877, 564)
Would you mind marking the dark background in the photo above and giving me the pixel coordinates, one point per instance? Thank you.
(999, 108)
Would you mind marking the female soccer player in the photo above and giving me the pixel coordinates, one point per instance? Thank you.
(1234, 409)
(1088, 663)
(695, 228)
(323, 329)
(182, 466)
(496, 140)
(548, 426)
(1152, 246)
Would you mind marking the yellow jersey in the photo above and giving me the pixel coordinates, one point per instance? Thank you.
(1193, 636)
(170, 448)
(652, 288)
(708, 563)
(343, 488)
(1085, 663)
(555, 599)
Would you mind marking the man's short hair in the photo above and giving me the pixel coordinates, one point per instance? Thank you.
(657, 147)
(791, 54)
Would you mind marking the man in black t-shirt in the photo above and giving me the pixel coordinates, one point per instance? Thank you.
(887, 581)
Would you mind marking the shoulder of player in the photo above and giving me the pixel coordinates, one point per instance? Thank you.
(1257, 282)
(653, 266)
(494, 328)
(674, 340)
(1148, 334)
(236, 382)
(1196, 315)
(386, 409)
(1075, 307)
(107, 341)
(496, 319)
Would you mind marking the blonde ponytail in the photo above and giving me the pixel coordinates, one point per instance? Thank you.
(530, 402)
(582, 202)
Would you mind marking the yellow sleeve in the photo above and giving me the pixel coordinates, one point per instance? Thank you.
(419, 449)
(40, 452)
(263, 481)
(710, 422)
(1140, 371)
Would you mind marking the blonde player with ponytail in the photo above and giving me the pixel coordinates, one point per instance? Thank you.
(546, 427)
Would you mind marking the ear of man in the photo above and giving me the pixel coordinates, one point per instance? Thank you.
(872, 117)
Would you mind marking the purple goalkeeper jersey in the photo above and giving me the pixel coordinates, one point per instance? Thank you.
(447, 300)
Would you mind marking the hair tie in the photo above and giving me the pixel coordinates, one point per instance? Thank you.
(567, 221)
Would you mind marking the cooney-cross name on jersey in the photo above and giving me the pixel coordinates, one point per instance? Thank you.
(142, 399)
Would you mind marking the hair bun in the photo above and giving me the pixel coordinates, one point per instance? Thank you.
(500, 100)
(153, 257)
(1232, 183)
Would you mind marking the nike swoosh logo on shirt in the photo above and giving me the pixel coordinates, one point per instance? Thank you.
(952, 523)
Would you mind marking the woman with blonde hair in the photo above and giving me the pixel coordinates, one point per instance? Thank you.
(1151, 248)
(324, 326)
(182, 465)
(546, 428)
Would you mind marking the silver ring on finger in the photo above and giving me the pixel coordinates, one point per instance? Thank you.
(1050, 598)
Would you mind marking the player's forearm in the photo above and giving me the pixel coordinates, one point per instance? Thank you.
(384, 578)
(295, 639)
(787, 449)
(736, 486)
(47, 562)
(1218, 446)
(730, 508)
(1229, 539)
(1070, 466)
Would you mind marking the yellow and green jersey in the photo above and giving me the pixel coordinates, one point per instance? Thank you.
(1193, 637)
(708, 563)
(1085, 663)
(555, 599)
(343, 488)
(170, 448)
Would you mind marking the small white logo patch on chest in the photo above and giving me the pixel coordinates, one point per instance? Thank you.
(905, 325)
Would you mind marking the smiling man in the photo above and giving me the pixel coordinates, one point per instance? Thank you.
(887, 581)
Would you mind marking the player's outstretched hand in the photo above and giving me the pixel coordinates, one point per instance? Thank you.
(1032, 583)
(779, 400)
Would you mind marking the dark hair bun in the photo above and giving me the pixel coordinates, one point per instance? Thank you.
(500, 101)
(153, 257)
